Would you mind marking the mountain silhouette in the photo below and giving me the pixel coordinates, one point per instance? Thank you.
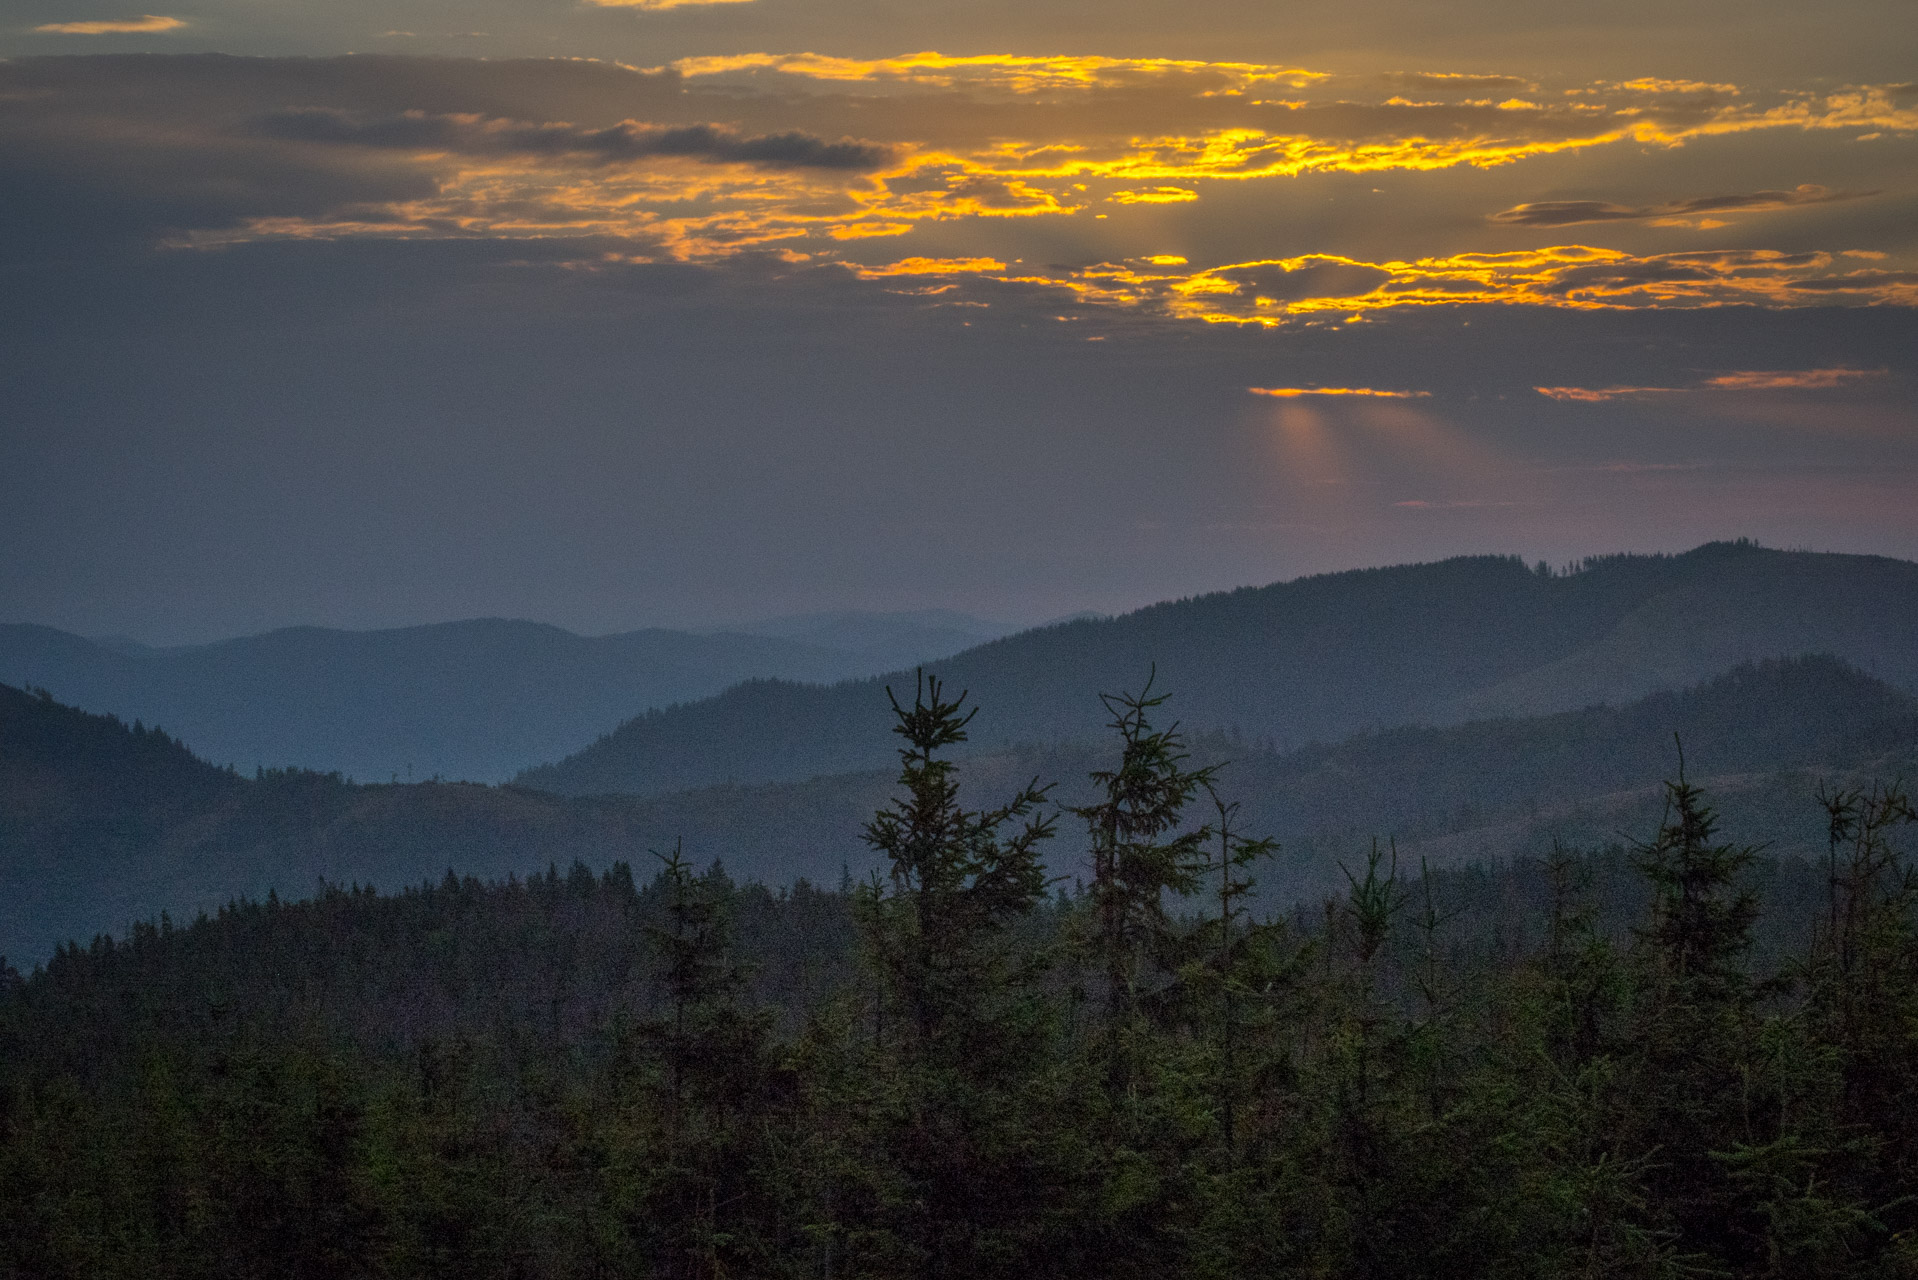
(473, 700)
(1316, 659)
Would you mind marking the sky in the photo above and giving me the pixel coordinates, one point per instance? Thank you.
(678, 312)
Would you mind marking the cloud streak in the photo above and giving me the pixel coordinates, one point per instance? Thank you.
(1738, 380)
(1571, 213)
(1155, 195)
(658, 4)
(147, 24)
(1292, 393)
(1013, 73)
(1456, 82)
(622, 143)
(1582, 277)
(1789, 379)
(1597, 395)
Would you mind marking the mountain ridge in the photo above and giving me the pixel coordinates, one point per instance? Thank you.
(102, 823)
(1317, 658)
(475, 699)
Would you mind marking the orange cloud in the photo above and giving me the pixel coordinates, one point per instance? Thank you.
(1784, 379)
(1154, 195)
(929, 267)
(1653, 84)
(113, 26)
(1008, 72)
(953, 152)
(1289, 393)
(1742, 380)
(1593, 395)
(1330, 127)
(1576, 276)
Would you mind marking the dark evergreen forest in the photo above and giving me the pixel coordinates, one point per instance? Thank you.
(1677, 1056)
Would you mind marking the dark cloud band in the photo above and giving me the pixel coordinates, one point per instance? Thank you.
(621, 143)
(1571, 213)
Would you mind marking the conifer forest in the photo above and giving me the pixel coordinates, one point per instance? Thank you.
(1676, 1056)
(959, 640)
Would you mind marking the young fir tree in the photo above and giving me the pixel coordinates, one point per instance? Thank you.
(1697, 1024)
(1238, 958)
(1241, 984)
(1143, 1106)
(1362, 1070)
(697, 1210)
(965, 1025)
(1578, 1209)
(1861, 966)
(1140, 858)
(1834, 1184)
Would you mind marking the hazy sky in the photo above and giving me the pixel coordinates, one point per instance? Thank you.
(614, 315)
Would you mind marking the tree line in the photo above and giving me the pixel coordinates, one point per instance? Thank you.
(959, 1067)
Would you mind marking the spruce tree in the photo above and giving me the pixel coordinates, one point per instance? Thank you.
(1238, 958)
(1695, 1030)
(1140, 858)
(967, 1025)
(698, 1209)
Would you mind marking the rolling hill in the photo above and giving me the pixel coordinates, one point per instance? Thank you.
(1316, 659)
(102, 824)
(474, 700)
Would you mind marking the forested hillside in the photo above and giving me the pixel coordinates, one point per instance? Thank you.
(1767, 734)
(101, 825)
(1318, 659)
(476, 700)
(1678, 1058)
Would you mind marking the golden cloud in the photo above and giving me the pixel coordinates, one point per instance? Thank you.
(1789, 379)
(1006, 72)
(1154, 195)
(1573, 276)
(1741, 380)
(930, 267)
(847, 152)
(1366, 133)
(1593, 395)
(113, 26)
(1688, 88)
(1288, 393)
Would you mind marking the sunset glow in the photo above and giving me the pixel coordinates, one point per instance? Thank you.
(1289, 393)
(765, 261)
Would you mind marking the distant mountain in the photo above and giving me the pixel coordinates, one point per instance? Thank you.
(886, 641)
(1762, 736)
(102, 824)
(475, 700)
(1315, 659)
